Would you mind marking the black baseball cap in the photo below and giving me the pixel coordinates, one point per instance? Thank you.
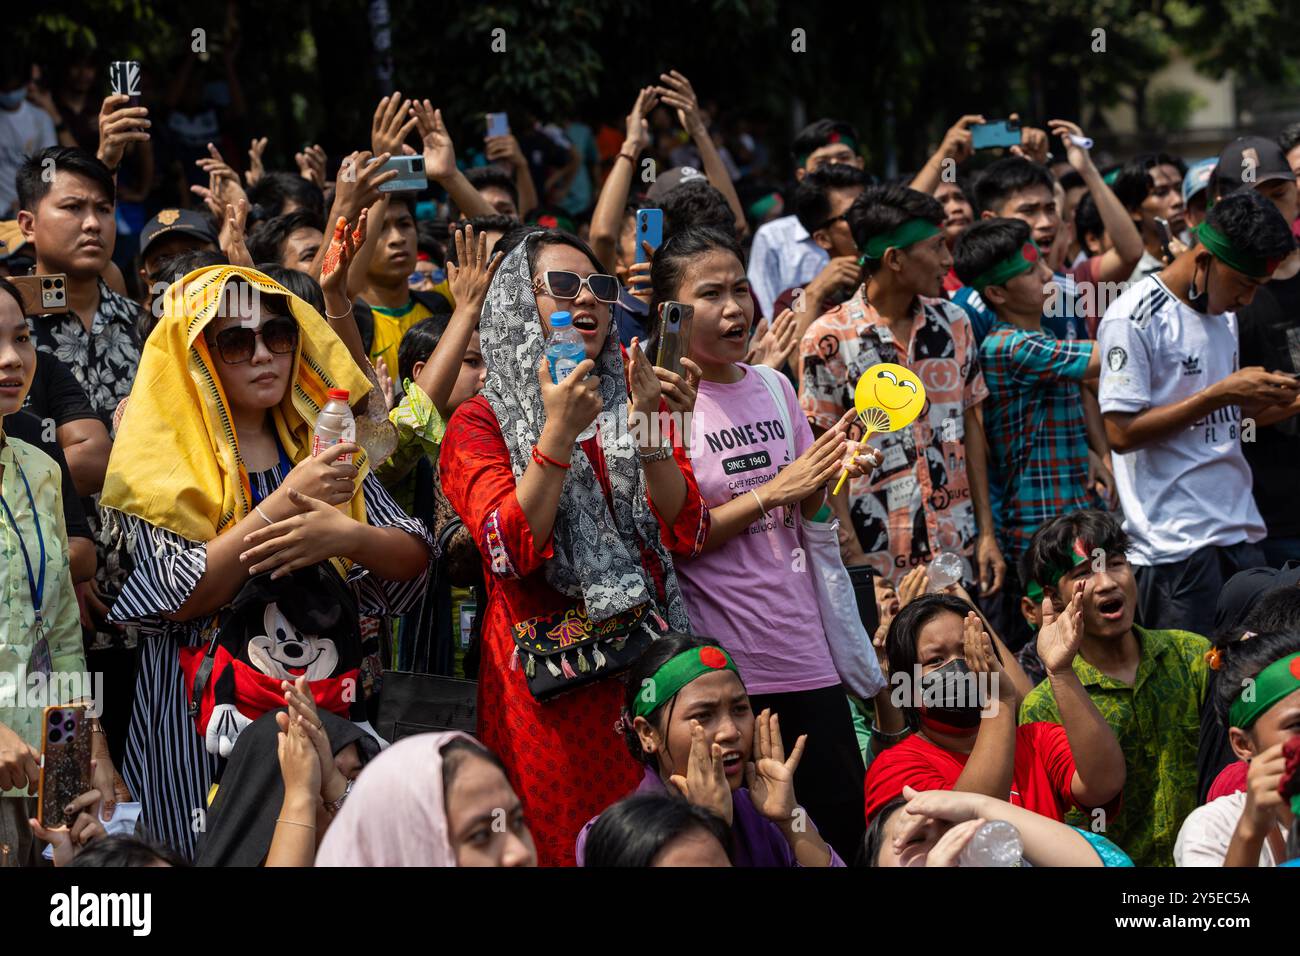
(1249, 161)
(183, 221)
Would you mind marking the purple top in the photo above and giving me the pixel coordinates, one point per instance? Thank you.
(755, 840)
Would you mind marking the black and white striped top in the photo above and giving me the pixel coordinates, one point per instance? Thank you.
(167, 767)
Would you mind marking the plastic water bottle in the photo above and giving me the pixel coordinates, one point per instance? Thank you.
(334, 424)
(944, 570)
(564, 351)
(996, 843)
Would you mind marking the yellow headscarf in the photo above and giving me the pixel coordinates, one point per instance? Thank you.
(175, 461)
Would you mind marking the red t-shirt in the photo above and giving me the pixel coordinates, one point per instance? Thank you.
(1231, 779)
(1040, 779)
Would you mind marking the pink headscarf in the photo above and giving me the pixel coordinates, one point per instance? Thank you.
(396, 814)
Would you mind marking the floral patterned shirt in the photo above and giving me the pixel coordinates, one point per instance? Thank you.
(104, 359)
(918, 502)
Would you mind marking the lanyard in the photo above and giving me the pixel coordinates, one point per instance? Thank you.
(34, 584)
(286, 466)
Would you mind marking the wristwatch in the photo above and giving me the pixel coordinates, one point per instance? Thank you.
(659, 454)
(334, 806)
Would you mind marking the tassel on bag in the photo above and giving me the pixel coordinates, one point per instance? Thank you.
(530, 667)
(514, 659)
(567, 667)
(550, 666)
(663, 625)
(583, 666)
(598, 657)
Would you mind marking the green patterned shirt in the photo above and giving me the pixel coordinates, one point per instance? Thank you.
(1158, 724)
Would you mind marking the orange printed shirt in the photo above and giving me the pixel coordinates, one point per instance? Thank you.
(918, 502)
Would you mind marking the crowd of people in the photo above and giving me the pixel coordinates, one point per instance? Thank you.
(1065, 599)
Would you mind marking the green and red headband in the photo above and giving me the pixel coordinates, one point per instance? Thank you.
(679, 671)
(900, 237)
(1277, 680)
(1016, 264)
(831, 140)
(1223, 249)
(1079, 553)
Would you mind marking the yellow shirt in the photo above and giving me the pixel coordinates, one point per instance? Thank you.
(390, 326)
(22, 700)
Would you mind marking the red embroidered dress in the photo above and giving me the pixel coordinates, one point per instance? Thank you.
(565, 758)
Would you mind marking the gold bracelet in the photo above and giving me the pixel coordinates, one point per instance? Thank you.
(309, 826)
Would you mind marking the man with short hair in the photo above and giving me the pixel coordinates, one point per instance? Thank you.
(1148, 684)
(784, 254)
(931, 492)
(170, 233)
(1151, 187)
(1034, 415)
(497, 189)
(387, 305)
(821, 201)
(291, 240)
(69, 217)
(1173, 397)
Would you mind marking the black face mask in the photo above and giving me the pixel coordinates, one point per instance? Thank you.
(956, 706)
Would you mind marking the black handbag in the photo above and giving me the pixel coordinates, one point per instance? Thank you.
(566, 650)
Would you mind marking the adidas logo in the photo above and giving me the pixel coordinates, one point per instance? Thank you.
(1191, 365)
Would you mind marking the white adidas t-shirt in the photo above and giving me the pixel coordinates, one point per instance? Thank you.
(1193, 488)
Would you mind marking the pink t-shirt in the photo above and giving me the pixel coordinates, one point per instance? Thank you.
(754, 594)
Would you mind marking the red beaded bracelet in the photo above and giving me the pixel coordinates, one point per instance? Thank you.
(543, 459)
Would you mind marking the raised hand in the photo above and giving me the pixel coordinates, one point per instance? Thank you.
(637, 128)
(958, 143)
(1067, 132)
(120, 125)
(385, 381)
(982, 659)
(643, 386)
(678, 93)
(777, 343)
(311, 165)
(299, 764)
(255, 166)
(470, 276)
(231, 238)
(770, 776)
(357, 185)
(439, 153)
(1033, 143)
(343, 247)
(1060, 636)
(391, 124)
(915, 583)
(705, 784)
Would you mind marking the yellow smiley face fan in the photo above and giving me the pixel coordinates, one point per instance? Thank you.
(888, 397)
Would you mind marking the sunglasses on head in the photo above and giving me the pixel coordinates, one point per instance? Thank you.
(238, 345)
(568, 285)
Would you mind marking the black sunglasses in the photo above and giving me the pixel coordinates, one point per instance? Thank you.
(568, 285)
(238, 345)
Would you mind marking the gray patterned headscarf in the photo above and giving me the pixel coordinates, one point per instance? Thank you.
(597, 551)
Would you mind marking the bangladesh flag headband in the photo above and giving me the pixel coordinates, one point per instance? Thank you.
(677, 673)
(833, 138)
(1016, 264)
(1222, 249)
(1277, 680)
(1078, 555)
(900, 237)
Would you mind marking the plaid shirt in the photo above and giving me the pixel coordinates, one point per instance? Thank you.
(918, 502)
(1038, 444)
